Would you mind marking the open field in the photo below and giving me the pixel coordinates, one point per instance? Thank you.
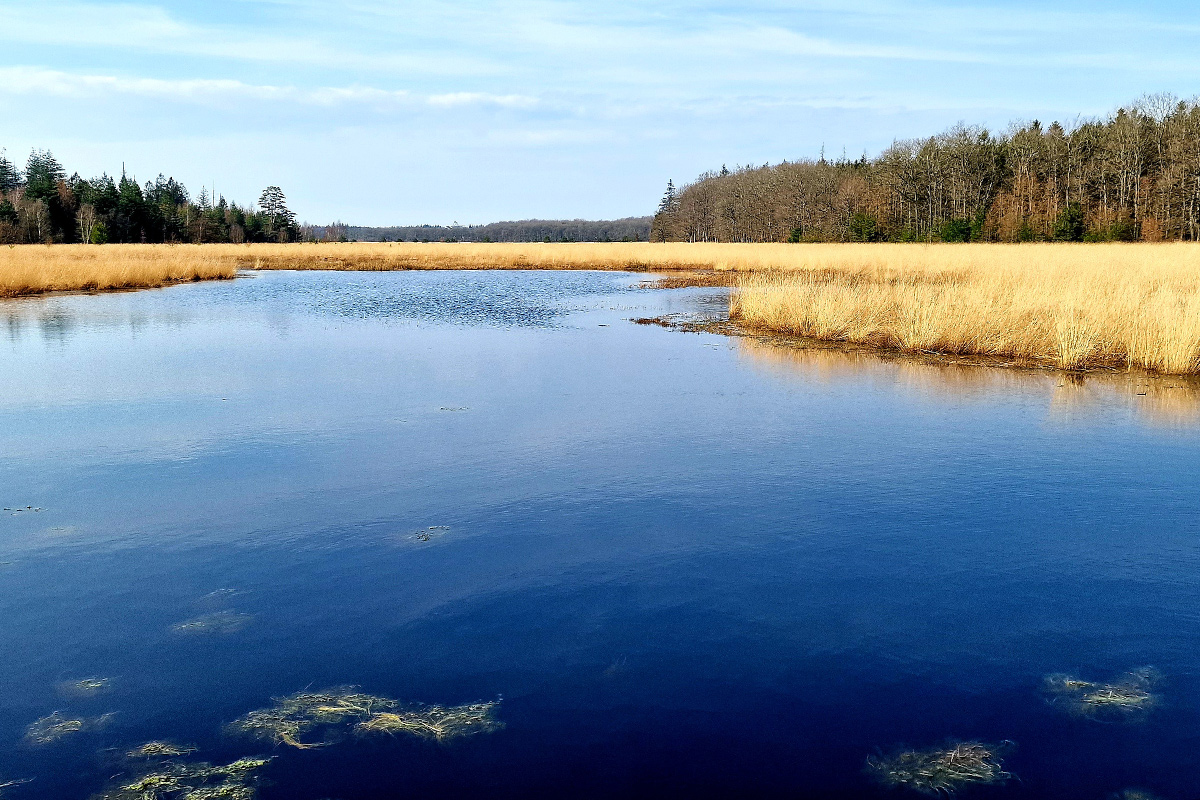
(1069, 306)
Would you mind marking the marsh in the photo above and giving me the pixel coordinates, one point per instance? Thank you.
(668, 564)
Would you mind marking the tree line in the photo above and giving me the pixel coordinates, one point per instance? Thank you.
(40, 204)
(1132, 176)
(630, 229)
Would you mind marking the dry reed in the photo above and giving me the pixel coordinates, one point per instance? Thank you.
(34, 269)
(1067, 306)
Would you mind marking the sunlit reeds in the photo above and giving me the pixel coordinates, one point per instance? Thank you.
(1071, 307)
(34, 269)
(1068, 306)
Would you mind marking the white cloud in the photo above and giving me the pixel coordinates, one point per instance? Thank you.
(481, 98)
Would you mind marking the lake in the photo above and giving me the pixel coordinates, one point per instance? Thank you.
(672, 564)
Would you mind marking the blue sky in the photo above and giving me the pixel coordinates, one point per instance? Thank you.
(407, 112)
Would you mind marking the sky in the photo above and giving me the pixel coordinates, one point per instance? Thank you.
(378, 113)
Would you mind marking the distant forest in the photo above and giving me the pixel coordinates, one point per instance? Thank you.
(630, 229)
(41, 204)
(1133, 176)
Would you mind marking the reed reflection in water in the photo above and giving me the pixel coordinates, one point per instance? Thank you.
(1161, 401)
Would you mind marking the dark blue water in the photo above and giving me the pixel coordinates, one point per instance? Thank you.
(687, 565)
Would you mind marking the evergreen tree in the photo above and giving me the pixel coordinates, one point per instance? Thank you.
(42, 175)
(10, 176)
(670, 201)
(279, 220)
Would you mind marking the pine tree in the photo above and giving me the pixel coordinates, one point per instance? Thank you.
(280, 220)
(670, 200)
(10, 176)
(42, 174)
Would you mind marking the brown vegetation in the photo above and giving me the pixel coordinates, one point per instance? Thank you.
(1067, 306)
(34, 269)
(1134, 175)
(1071, 307)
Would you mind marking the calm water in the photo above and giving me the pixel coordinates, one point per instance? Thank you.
(688, 566)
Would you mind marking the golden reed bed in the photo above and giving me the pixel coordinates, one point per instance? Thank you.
(1070, 306)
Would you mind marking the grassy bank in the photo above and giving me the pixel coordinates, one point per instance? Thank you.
(35, 269)
(1068, 306)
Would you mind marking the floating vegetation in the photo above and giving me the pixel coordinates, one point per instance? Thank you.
(25, 510)
(434, 722)
(432, 532)
(198, 781)
(57, 726)
(315, 719)
(1125, 699)
(84, 687)
(159, 749)
(299, 714)
(221, 622)
(943, 770)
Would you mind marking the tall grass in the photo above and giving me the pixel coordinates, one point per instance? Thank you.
(1069, 306)
(33, 269)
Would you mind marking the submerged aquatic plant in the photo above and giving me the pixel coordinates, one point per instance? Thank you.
(292, 717)
(196, 781)
(1124, 699)
(432, 532)
(85, 687)
(942, 770)
(435, 722)
(292, 720)
(160, 749)
(57, 726)
(221, 622)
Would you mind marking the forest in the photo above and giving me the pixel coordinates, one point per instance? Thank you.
(40, 204)
(630, 229)
(1132, 176)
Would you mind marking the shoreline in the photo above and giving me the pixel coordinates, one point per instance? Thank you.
(733, 329)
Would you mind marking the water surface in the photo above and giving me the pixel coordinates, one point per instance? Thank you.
(687, 565)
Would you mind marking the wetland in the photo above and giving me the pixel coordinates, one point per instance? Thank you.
(352, 535)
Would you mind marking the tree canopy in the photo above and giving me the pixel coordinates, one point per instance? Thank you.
(1134, 175)
(41, 204)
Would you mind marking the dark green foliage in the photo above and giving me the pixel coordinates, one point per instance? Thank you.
(44, 205)
(862, 227)
(956, 230)
(796, 236)
(1071, 224)
(1124, 230)
(10, 176)
(42, 175)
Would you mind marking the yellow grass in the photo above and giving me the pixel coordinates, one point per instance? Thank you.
(1069, 306)
(33, 269)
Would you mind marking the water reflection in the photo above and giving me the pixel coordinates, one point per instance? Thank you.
(1158, 400)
